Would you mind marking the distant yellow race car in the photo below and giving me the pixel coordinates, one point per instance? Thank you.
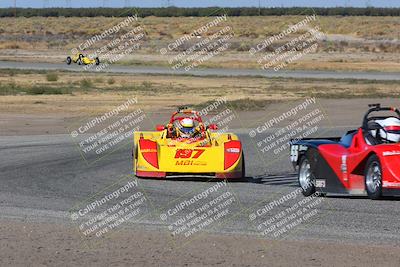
(82, 59)
(186, 147)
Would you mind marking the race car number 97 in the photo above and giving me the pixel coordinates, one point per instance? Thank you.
(188, 153)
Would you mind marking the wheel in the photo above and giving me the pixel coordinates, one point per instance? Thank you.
(134, 158)
(243, 167)
(306, 177)
(69, 60)
(97, 61)
(373, 178)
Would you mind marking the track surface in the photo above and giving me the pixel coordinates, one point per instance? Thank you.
(207, 72)
(43, 177)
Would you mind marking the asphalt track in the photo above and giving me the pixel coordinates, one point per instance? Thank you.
(382, 76)
(43, 177)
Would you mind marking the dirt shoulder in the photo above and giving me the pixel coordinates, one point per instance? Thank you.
(45, 244)
(42, 120)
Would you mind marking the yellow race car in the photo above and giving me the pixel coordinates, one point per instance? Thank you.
(187, 147)
(82, 59)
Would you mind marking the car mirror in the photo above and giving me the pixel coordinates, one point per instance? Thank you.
(212, 127)
(160, 128)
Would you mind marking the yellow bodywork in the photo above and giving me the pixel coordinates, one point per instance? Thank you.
(82, 59)
(205, 156)
(75, 57)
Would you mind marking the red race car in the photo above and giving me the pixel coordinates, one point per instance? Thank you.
(363, 161)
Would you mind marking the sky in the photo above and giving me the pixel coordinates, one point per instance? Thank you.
(199, 3)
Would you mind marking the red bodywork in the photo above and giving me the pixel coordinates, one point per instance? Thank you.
(340, 165)
(349, 163)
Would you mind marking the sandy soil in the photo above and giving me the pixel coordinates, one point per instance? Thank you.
(340, 113)
(46, 244)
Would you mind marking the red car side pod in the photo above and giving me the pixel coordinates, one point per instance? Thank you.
(232, 152)
(148, 149)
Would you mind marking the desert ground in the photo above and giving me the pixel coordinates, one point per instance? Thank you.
(44, 175)
(349, 43)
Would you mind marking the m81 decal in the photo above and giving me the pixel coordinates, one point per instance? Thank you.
(188, 162)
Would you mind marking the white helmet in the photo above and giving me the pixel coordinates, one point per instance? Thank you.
(391, 130)
(186, 128)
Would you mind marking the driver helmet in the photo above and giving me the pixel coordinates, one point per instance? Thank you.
(390, 131)
(186, 128)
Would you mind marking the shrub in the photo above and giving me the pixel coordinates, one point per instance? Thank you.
(110, 81)
(37, 90)
(98, 80)
(43, 90)
(52, 77)
(86, 83)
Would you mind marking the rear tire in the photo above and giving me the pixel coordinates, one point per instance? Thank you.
(373, 178)
(69, 60)
(97, 61)
(243, 167)
(305, 177)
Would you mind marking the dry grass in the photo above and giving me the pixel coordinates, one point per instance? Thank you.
(163, 92)
(164, 28)
(66, 33)
(354, 43)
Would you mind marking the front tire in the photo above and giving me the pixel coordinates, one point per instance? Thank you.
(373, 178)
(97, 61)
(306, 178)
(69, 60)
(243, 167)
(134, 159)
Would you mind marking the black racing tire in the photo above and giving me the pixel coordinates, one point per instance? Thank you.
(97, 61)
(134, 158)
(243, 167)
(305, 177)
(373, 177)
(69, 60)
